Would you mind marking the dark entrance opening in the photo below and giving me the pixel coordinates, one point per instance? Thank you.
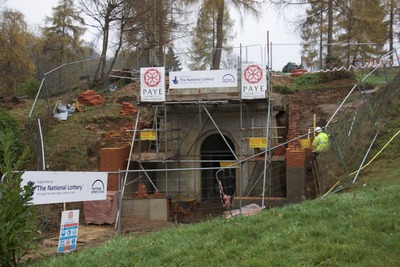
(214, 150)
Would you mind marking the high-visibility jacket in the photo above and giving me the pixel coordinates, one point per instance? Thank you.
(321, 142)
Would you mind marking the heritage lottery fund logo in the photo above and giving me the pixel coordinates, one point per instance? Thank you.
(98, 187)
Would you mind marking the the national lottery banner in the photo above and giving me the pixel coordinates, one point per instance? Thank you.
(254, 81)
(152, 84)
(63, 187)
(68, 231)
(202, 79)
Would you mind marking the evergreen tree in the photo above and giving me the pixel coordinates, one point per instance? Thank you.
(392, 10)
(204, 43)
(219, 7)
(18, 224)
(63, 35)
(363, 30)
(171, 60)
(358, 25)
(314, 35)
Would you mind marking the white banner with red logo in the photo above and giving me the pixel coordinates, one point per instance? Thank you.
(254, 81)
(152, 84)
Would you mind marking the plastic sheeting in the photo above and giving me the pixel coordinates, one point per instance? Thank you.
(102, 211)
(245, 211)
(63, 111)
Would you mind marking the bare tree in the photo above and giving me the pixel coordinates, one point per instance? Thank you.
(104, 14)
(152, 29)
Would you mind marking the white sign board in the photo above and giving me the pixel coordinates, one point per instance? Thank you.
(202, 79)
(152, 84)
(68, 231)
(254, 81)
(59, 187)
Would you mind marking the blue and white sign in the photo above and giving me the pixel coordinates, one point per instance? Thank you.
(68, 231)
(60, 187)
(202, 79)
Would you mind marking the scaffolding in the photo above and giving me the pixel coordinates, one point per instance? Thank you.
(200, 139)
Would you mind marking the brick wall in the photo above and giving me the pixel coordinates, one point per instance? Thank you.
(294, 125)
(112, 160)
(295, 157)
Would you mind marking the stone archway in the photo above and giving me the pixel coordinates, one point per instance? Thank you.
(214, 150)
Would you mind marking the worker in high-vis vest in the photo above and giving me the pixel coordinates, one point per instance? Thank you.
(321, 141)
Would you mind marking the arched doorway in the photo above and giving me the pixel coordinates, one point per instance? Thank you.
(214, 150)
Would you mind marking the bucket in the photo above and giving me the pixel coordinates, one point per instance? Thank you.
(304, 143)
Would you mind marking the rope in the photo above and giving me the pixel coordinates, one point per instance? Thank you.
(391, 139)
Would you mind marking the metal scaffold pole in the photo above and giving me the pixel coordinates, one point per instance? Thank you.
(128, 164)
(241, 134)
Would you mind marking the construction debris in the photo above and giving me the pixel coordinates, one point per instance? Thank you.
(62, 112)
(247, 210)
(128, 109)
(90, 98)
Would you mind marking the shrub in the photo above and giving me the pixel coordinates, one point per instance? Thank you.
(17, 219)
(9, 123)
(307, 80)
(284, 89)
(336, 75)
(30, 87)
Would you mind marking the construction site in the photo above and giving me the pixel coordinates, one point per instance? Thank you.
(188, 152)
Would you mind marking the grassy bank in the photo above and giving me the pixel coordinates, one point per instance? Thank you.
(359, 227)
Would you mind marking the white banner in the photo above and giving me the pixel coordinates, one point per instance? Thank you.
(202, 79)
(152, 84)
(68, 231)
(254, 81)
(59, 187)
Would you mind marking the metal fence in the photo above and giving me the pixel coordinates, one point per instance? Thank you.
(354, 127)
(62, 83)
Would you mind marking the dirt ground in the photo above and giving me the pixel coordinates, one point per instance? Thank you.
(93, 234)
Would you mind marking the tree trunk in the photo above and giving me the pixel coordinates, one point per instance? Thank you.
(120, 41)
(218, 47)
(330, 29)
(100, 68)
(391, 22)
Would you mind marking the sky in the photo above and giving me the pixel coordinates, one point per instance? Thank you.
(252, 35)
